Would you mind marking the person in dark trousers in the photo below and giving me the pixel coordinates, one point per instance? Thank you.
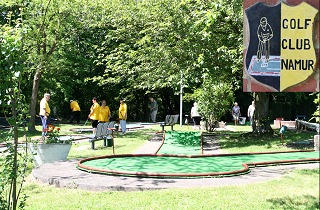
(153, 109)
(195, 116)
(94, 114)
(75, 111)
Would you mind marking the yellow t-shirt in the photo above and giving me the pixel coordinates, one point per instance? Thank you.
(74, 106)
(94, 111)
(44, 108)
(123, 111)
(104, 114)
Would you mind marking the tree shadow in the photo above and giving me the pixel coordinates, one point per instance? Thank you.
(305, 144)
(295, 202)
(244, 139)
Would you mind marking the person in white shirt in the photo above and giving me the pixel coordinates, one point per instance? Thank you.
(195, 116)
(251, 110)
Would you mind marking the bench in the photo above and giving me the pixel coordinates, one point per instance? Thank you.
(303, 125)
(170, 120)
(104, 132)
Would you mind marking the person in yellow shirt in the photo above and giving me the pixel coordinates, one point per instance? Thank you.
(104, 114)
(44, 113)
(94, 114)
(75, 109)
(123, 116)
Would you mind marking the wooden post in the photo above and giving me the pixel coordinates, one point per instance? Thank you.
(201, 143)
(316, 139)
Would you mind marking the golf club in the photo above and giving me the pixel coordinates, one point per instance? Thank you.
(83, 125)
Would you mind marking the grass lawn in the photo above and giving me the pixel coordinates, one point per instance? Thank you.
(239, 141)
(295, 190)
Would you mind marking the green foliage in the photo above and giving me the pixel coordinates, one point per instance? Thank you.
(129, 49)
(186, 138)
(316, 114)
(53, 136)
(214, 99)
(148, 45)
(117, 48)
(12, 65)
(8, 163)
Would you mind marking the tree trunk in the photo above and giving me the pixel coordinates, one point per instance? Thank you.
(33, 103)
(262, 124)
(15, 156)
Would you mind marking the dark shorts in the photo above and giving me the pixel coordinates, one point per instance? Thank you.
(196, 120)
(94, 123)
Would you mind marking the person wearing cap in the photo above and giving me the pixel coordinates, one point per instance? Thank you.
(75, 111)
(123, 116)
(44, 113)
(94, 114)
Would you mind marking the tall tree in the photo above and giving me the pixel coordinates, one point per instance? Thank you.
(12, 67)
(261, 115)
(219, 55)
(44, 23)
(149, 45)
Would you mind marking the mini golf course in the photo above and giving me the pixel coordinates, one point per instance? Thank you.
(88, 129)
(180, 156)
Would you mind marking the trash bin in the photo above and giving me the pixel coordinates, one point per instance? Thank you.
(242, 120)
(109, 141)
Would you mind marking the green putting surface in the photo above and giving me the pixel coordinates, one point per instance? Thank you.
(180, 156)
(213, 164)
(183, 143)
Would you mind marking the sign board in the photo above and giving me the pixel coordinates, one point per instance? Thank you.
(279, 47)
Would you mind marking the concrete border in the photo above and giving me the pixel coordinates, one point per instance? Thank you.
(66, 175)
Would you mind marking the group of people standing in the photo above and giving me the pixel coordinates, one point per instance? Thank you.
(100, 114)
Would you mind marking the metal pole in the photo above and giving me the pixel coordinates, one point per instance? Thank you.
(181, 98)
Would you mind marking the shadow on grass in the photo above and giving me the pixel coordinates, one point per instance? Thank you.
(6, 134)
(145, 134)
(308, 172)
(244, 139)
(295, 202)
